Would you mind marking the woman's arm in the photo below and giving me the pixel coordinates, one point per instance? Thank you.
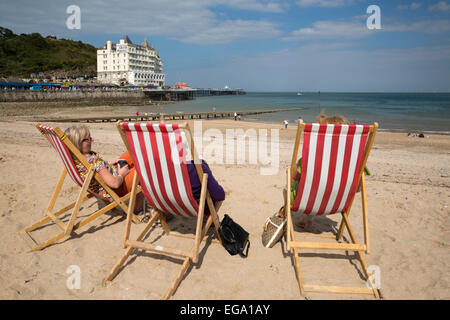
(111, 180)
(215, 189)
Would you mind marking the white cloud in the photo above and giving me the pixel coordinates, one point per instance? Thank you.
(193, 21)
(356, 28)
(440, 6)
(323, 3)
(331, 30)
(231, 30)
(253, 5)
(425, 26)
(412, 6)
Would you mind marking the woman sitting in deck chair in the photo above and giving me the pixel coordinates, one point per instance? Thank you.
(275, 224)
(117, 174)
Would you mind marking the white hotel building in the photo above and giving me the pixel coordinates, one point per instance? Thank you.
(138, 65)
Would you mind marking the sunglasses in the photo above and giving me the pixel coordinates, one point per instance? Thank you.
(87, 139)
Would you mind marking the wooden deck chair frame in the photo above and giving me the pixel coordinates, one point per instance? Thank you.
(293, 245)
(188, 256)
(83, 195)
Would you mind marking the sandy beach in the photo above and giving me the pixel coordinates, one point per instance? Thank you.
(408, 198)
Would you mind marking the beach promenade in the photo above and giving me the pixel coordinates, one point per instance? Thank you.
(408, 198)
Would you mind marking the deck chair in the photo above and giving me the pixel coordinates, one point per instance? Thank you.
(62, 145)
(333, 161)
(159, 155)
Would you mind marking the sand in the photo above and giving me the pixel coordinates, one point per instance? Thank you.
(408, 198)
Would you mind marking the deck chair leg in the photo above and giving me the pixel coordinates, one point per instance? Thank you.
(79, 201)
(342, 225)
(49, 242)
(364, 205)
(360, 255)
(298, 272)
(56, 191)
(213, 212)
(162, 220)
(201, 210)
(365, 213)
(50, 205)
(131, 205)
(209, 222)
(290, 235)
(177, 280)
(130, 250)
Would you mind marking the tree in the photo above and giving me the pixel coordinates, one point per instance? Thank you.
(6, 33)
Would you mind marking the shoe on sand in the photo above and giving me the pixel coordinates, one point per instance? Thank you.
(274, 229)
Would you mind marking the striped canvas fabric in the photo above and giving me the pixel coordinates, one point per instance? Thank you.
(160, 159)
(63, 152)
(331, 162)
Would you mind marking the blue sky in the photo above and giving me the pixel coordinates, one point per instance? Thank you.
(266, 45)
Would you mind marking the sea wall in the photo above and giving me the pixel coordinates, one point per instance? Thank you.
(17, 96)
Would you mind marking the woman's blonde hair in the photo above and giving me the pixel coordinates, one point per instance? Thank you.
(77, 134)
(322, 118)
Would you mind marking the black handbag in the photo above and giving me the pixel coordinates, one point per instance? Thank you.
(234, 237)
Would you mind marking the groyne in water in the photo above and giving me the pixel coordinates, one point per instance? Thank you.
(171, 116)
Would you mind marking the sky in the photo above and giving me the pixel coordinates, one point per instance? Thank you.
(266, 45)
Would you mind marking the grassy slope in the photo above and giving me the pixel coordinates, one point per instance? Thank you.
(23, 54)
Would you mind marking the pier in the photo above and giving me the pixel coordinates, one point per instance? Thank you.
(170, 116)
(187, 93)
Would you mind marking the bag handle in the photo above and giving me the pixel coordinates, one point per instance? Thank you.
(242, 254)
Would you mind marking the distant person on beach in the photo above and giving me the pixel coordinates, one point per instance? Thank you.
(285, 124)
(235, 116)
(117, 177)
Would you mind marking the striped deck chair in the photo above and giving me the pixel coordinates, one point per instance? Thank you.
(62, 146)
(159, 155)
(333, 161)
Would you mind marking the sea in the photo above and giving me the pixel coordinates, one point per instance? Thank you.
(403, 112)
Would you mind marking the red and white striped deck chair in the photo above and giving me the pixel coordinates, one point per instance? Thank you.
(160, 161)
(58, 141)
(332, 170)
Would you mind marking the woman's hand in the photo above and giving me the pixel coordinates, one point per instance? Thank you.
(123, 171)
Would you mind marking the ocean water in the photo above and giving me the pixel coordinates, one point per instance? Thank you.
(425, 112)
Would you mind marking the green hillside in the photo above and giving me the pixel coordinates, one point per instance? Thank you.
(21, 55)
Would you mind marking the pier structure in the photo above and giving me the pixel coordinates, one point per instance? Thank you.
(218, 92)
(170, 116)
(187, 93)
